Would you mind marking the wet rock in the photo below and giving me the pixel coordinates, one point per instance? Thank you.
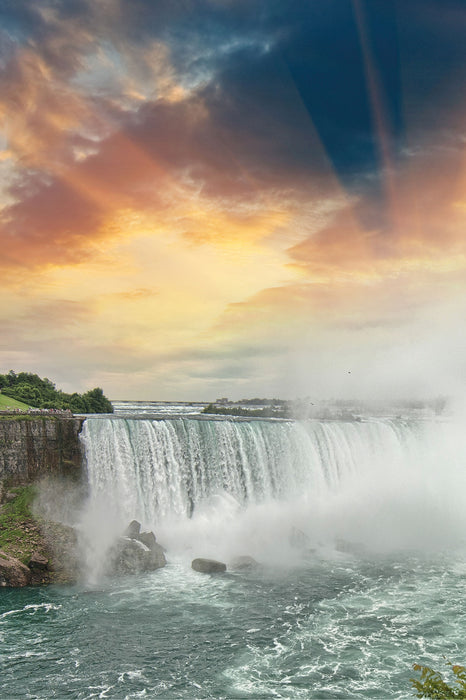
(133, 530)
(38, 561)
(243, 562)
(208, 566)
(131, 556)
(13, 573)
(298, 539)
(342, 545)
(147, 538)
(62, 542)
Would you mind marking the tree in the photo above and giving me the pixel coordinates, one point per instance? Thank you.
(97, 402)
(431, 684)
(42, 393)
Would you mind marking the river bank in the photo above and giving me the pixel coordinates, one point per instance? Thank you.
(41, 459)
(33, 550)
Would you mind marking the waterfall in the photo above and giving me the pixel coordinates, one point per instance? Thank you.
(370, 478)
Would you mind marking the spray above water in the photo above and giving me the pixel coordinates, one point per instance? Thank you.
(276, 490)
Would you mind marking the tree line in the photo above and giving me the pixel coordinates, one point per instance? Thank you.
(42, 393)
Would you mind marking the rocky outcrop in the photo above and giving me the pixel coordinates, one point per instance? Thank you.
(38, 562)
(33, 447)
(135, 552)
(243, 562)
(208, 566)
(62, 544)
(133, 530)
(13, 573)
(56, 559)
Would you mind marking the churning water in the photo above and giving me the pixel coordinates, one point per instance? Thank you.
(359, 528)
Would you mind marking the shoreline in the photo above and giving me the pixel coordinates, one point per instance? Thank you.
(34, 551)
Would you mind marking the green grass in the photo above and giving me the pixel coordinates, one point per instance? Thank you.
(18, 536)
(6, 402)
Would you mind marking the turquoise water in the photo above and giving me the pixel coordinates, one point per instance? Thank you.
(338, 626)
(359, 528)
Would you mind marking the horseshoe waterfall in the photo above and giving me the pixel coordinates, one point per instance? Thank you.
(376, 480)
(356, 530)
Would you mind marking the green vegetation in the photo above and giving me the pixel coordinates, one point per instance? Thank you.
(30, 389)
(266, 412)
(23, 533)
(431, 684)
(7, 402)
(19, 535)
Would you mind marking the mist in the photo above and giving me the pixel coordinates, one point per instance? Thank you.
(278, 491)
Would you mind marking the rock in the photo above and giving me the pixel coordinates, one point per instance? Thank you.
(130, 556)
(156, 557)
(243, 562)
(298, 539)
(13, 573)
(37, 561)
(63, 544)
(342, 545)
(147, 538)
(133, 530)
(208, 566)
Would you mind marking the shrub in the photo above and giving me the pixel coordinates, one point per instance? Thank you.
(431, 684)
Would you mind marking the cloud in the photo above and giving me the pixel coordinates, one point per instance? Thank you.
(207, 191)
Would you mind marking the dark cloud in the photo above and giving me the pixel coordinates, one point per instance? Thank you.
(49, 226)
(279, 98)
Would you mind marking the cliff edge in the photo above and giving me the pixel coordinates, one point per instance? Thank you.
(38, 455)
(32, 447)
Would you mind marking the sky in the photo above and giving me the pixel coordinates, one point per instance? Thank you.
(208, 198)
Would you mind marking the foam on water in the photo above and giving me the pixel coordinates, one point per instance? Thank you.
(335, 611)
(30, 609)
(339, 626)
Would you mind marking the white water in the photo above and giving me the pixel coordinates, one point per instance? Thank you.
(313, 622)
(275, 488)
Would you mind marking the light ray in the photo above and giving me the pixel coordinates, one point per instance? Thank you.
(379, 112)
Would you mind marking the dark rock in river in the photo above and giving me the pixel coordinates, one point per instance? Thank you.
(243, 562)
(208, 566)
(147, 538)
(133, 530)
(347, 547)
(137, 554)
(298, 539)
(13, 572)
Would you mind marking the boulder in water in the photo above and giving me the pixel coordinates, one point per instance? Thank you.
(208, 566)
(298, 539)
(13, 573)
(130, 556)
(147, 538)
(243, 562)
(135, 552)
(347, 547)
(133, 530)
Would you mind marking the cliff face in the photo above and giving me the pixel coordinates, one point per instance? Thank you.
(34, 447)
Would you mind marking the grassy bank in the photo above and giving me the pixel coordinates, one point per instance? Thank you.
(6, 403)
(22, 533)
(19, 533)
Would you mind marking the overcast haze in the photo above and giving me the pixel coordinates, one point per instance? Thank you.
(234, 198)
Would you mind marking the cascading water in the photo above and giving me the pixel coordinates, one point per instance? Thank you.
(239, 481)
(319, 618)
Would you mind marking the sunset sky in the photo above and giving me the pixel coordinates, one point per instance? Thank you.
(204, 198)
